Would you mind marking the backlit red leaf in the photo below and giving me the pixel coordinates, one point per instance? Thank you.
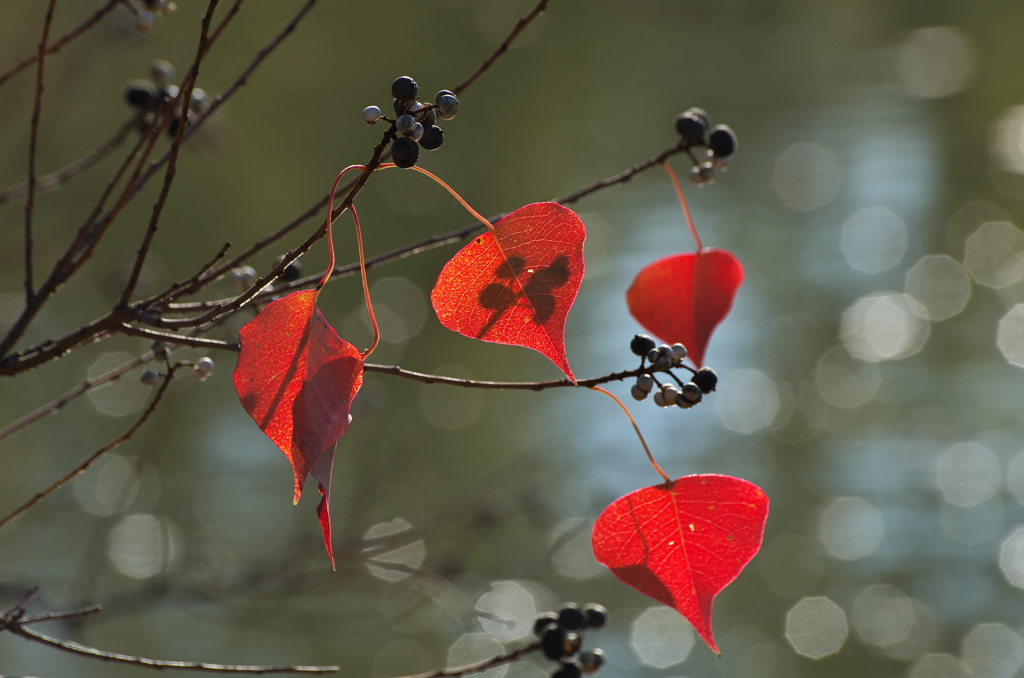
(296, 378)
(683, 297)
(682, 543)
(515, 284)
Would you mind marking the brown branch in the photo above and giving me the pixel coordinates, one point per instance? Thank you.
(86, 386)
(60, 616)
(396, 371)
(16, 627)
(499, 660)
(60, 42)
(53, 180)
(184, 99)
(181, 339)
(33, 139)
(124, 437)
(502, 48)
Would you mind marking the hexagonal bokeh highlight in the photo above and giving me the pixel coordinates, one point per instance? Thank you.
(806, 176)
(390, 558)
(1008, 148)
(120, 397)
(873, 239)
(940, 285)
(995, 254)
(661, 637)
(1010, 335)
(939, 665)
(749, 403)
(850, 528)
(936, 62)
(506, 611)
(883, 616)
(816, 627)
(1015, 476)
(884, 326)
(1011, 558)
(968, 474)
(992, 651)
(476, 647)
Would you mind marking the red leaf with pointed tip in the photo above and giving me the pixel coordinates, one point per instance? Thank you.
(515, 284)
(683, 297)
(296, 378)
(681, 543)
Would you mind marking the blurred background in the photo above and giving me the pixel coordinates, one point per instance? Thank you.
(869, 370)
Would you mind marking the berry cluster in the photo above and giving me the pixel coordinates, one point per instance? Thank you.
(720, 141)
(148, 10)
(662, 359)
(152, 97)
(414, 120)
(561, 638)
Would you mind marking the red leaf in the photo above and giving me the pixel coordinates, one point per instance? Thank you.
(296, 378)
(682, 543)
(515, 284)
(682, 297)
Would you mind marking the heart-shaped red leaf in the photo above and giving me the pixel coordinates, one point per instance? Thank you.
(681, 543)
(296, 378)
(515, 284)
(683, 297)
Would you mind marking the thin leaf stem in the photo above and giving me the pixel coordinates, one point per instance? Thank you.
(682, 203)
(366, 285)
(484, 220)
(636, 428)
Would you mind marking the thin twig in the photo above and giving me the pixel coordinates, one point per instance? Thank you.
(33, 138)
(60, 616)
(53, 180)
(84, 387)
(502, 48)
(94, 456)
(84, 650)
(499, 660)
(184, 100)
(63, 40)
(396, 371)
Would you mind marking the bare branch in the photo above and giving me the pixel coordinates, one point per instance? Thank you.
(502, 48)
(499, 660)
(63, 40)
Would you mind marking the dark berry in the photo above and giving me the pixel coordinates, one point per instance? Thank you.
(399, 106)
(641, 344)
(692, 126)
(553, 642)
(706, 380)
(722, 141)
(172, 126)
(591, 661)
(140, 93)
(597, 615)
(447, 105)
(405, 89)
(568, 670)
(405, 152)
(433, 137)
(571, 616)
(429, 117)
(690, 392)
(292, 271)
(542, 622)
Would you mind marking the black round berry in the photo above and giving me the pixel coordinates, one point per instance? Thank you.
(597, 615)
(542, 622)
(722, 141)
(433, 137)
(692, 125)
(571, 616)
(591, 661)
(706, 380)
(405, 152)
(292, 271)
(641, 345)
(553, 642)
(140, 93)
(568, 670)
(405, 89)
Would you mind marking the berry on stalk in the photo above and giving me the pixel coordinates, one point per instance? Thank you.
(572, 617)
(706, 380)
(597, 615)
(405, 152)
(641, 345)
(405, 89)
(722, 141)
(371, 114)
(433, 137)
(541, 624)
(692, 126)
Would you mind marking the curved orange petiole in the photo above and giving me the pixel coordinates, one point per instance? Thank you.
(451, 190)
(682, 203)
(636, 428)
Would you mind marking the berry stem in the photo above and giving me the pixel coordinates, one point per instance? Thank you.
(484, 220)
(636, 428)
(682, 203)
